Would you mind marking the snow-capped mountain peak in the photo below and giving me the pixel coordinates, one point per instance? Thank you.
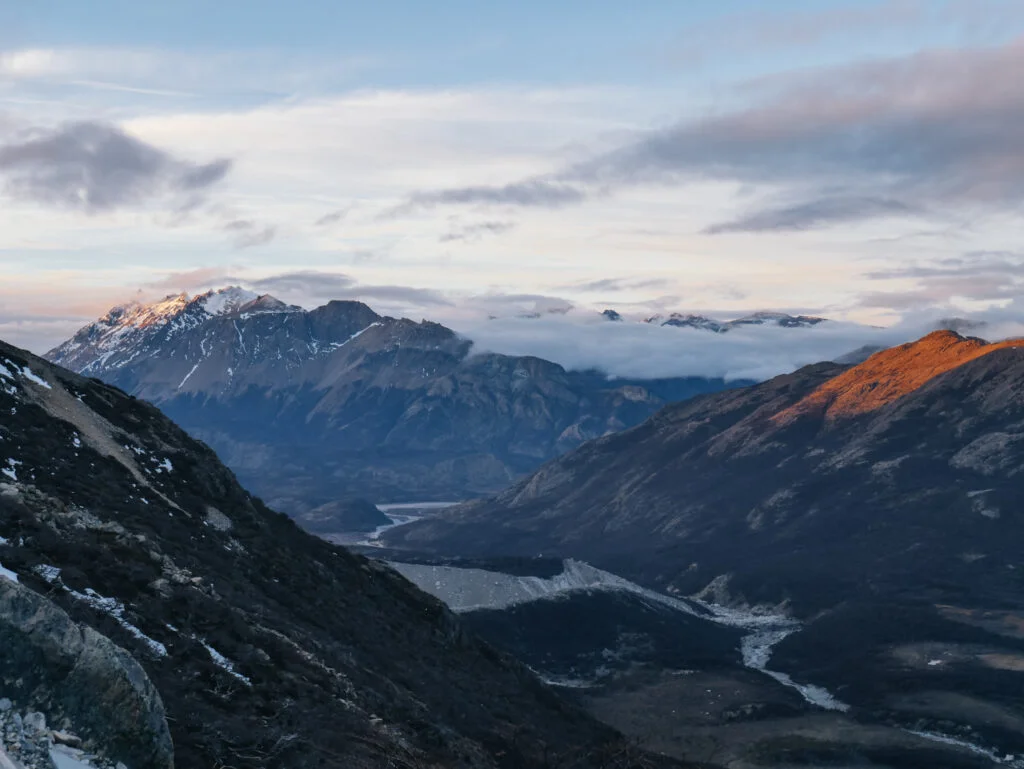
(227, 300)
(135, 328)
(762, 318)
(139, 315)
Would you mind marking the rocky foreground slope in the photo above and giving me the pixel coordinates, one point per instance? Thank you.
(268, 647)
(310, 408)
(902, 474)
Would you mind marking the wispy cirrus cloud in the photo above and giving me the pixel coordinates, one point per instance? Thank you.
(603, 285)
(814, 214)
(473, 232)
(980, 276)
(249, 234)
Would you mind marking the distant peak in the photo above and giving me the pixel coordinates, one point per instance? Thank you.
(226, 300)
(138, 315)
(891, 374)
(784, 319)
(611, 315)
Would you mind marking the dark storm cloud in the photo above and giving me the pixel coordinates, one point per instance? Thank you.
(95, 167)
(938, 129)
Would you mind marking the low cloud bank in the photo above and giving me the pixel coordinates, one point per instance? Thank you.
(631, 349)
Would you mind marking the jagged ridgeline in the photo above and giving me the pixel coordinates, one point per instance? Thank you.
(336, 403)
(268, 647)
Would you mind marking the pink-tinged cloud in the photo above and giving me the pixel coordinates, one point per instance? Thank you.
(896, 137)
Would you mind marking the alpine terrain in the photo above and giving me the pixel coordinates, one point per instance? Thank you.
(316, 409)
(172, 619)
(876, 506)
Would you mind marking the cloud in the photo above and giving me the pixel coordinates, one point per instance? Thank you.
(193, 280)
(634, 349)
(249, 234)
(815, 214)
(96, 167)
(332, 218)
(979, 276)
(784, 29)
(316, 286)
(531, 193)
(474, 232)
(182, 73)
(605, 285)
(934, 132)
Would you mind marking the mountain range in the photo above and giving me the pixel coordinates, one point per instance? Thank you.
(808, 488)
(315, 408)
(241, 641)
(704, 323)
(877, 505)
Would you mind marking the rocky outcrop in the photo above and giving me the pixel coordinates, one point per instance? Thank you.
(70, 671)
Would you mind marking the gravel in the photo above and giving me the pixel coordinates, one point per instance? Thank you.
(28, 742)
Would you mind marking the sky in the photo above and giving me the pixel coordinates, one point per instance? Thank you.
(456, 160)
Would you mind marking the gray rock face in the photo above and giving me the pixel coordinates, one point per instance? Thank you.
(341, 403)
(71, 671)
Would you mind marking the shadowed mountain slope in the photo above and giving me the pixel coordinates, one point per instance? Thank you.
(313, 408)
(899, 477)
(269, 647)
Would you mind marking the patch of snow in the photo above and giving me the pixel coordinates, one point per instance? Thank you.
(1006, 760)
(165, 466)
(933, 663)
(7, 574)
(116, 610)
(336, 345)
(76, 442)
(35, 378)
(565, 683)
(241, 342)
(50, 573)
(110, 606)
(188, 376)
(224, 663)
(228, 300)
(11, 471)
